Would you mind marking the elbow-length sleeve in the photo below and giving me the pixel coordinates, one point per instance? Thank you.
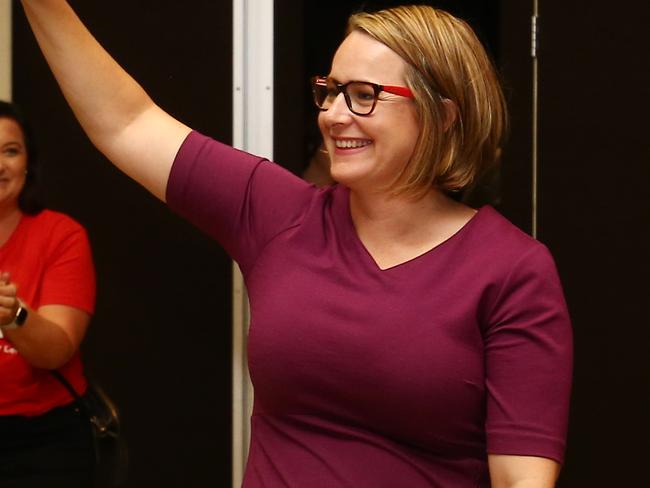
(529, 354)
(242, 201)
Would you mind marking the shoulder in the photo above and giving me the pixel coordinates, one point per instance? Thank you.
(51, 220)
(207, 171)
(495, 226)
(503, 251)
(200, 145)
(517, 269)
(52, 227)
(200, 156)
(495, 237)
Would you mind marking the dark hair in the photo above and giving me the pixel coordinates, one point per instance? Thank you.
(29, 200)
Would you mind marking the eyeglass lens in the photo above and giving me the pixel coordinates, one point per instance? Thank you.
(359, 96)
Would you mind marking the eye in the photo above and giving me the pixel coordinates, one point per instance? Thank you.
(363, 93)
(11, 151)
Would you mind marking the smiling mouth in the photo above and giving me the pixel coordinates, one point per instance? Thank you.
(351, 143)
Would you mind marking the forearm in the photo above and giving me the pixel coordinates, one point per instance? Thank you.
(508, 471)
(42, 342)
(531, 483)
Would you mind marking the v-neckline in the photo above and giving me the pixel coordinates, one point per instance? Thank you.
(433, 250)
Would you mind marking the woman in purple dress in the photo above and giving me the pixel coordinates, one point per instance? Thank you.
(432, 345)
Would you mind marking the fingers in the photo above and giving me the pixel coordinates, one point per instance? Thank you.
(8, 299)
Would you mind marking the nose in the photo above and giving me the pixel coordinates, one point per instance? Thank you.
(338, 112)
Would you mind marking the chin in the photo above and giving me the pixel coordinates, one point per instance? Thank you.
(346, 178)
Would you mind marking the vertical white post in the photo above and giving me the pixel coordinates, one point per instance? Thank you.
(252, 132)
(5, 49)
(535, 135)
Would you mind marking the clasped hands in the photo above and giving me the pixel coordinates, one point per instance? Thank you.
(8, 300)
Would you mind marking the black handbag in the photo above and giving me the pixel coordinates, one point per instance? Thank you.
(111, 454)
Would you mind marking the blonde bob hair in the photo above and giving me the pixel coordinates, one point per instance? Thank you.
(451, 76)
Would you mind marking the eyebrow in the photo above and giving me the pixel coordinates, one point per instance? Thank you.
(14, 143)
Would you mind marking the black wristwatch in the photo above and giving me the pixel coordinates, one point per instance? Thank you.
(19, 318)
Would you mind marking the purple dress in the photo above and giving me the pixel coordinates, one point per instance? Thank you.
(404, 377)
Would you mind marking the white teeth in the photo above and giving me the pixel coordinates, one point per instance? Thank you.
(349, 143)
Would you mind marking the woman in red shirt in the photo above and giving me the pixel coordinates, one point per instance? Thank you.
(47, 296)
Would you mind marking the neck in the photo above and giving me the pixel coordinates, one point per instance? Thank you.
(397, 215)
(397, 229)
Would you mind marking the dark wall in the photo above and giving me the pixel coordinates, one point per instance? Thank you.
(595, 217)
(160, 339)
(516, 69)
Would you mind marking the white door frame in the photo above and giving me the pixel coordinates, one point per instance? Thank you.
(252, 132)
(5, 50)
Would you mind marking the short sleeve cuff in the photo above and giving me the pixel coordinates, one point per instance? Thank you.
(526, 444)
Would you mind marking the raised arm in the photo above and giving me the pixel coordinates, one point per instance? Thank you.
(117, 114)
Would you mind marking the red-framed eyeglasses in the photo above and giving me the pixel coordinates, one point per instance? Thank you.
(360, 96)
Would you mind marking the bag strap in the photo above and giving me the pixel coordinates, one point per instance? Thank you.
(100, 425)
(57, 374)
(85, 407)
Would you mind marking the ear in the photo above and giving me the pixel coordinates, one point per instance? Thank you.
(451, 113)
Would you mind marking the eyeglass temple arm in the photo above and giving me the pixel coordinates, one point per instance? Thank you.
(398, 90)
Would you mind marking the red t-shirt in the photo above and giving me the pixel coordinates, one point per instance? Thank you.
(49, 258)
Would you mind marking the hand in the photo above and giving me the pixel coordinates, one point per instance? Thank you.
(8, 301)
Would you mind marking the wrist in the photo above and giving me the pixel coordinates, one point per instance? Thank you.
(20, 317)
